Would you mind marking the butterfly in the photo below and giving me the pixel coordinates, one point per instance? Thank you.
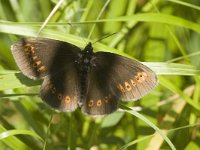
(73, 78)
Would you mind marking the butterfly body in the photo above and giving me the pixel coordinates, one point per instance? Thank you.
(81, 78)
(84, 62)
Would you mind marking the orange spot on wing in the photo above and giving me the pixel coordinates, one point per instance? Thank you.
(91, 103)
(99, 102)
(29, 49)
(32, 51)
(133, 83)
(144, 74)
(42, 68)
(67, 99)
(38, 62)
(127, 86)
(141, 76)
(34, 57)
(121, 88)
(137, 78)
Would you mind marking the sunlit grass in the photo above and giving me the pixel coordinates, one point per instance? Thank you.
(167, 42)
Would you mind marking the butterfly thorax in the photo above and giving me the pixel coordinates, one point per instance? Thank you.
(85, 61)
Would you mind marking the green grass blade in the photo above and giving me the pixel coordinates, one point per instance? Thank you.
(185, 4)
(141, 117)
(16, 80)
(9, 133)
(173, 69)
(12, 142)
(166, 83)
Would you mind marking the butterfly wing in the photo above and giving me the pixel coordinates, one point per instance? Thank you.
(115, 77)
(130, 79)
(38, 57)
(55, 62)
(61, 90)
(99, 99)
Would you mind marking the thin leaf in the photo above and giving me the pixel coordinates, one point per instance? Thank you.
(141, 117)
(9, 133)
(12, 142)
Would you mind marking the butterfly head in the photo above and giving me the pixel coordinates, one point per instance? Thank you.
(88, 49)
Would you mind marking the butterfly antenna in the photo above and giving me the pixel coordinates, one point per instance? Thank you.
(104, 37)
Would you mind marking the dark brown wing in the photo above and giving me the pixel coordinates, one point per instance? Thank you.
(99, 100)
(61, 91)
(38, 57)
(116, 77)
(55, 62)
(129, 79)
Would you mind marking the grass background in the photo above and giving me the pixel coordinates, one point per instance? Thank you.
(163, 32)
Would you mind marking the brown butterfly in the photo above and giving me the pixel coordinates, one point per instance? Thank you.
(81, 78)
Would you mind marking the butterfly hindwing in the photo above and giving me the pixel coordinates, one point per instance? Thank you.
(61, 91)
(99, 98)
(38, 57)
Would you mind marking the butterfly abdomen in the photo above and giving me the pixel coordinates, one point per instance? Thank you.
(84, 63)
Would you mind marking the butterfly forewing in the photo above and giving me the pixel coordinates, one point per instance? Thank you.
(127, 79)
(36, 57)
(113, 78)
(55, 62)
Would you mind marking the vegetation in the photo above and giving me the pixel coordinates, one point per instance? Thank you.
(164, 34)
